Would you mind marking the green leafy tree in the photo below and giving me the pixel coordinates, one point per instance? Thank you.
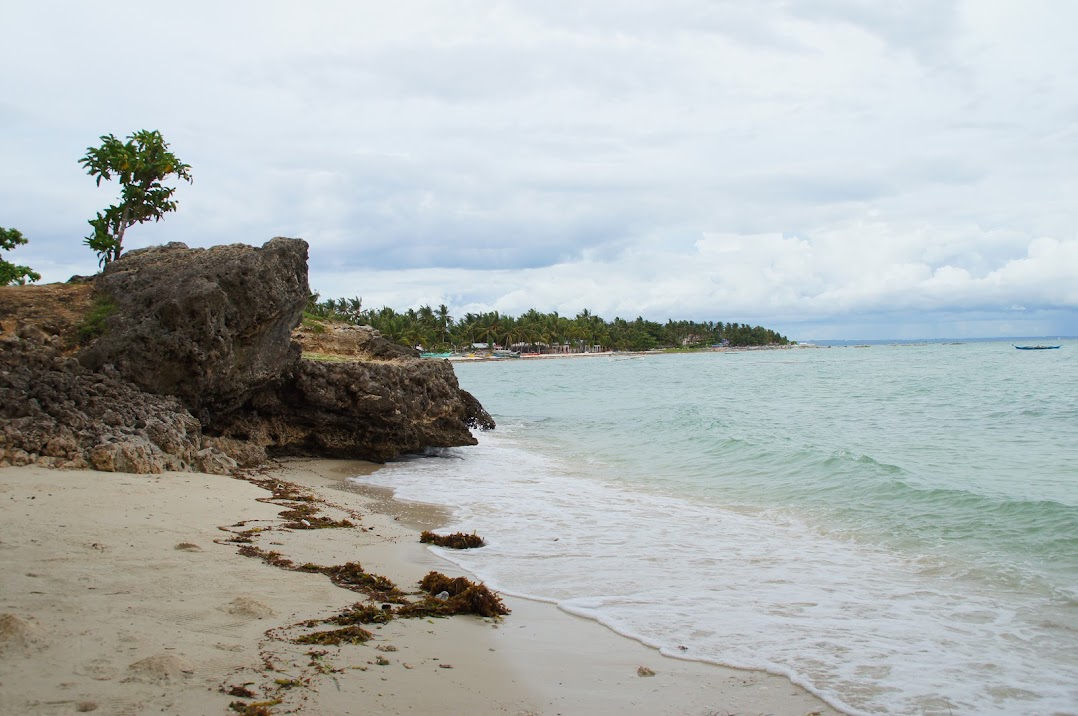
(140, 165)
(9, 272)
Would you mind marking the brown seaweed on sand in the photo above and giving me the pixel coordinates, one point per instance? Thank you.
(457, 595)
(335, 637)
(351, 576)
(273, 558)
(360, 613)
(302, 512)
(262, 708)
(457, 540)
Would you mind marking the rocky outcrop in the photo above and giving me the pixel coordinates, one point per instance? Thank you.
(345, 341)
(475, 415)
(55, 412)
(375, 410)
(194, 367)
(210, 326)
(362, 396)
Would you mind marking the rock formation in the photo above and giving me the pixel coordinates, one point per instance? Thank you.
(55, 412)
(210, 326)
(330, 408)
(194, 367)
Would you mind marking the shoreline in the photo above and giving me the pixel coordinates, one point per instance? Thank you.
(614, 355)
(122, 594)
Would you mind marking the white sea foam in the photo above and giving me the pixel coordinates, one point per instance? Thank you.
(848, 519)
(868, 631)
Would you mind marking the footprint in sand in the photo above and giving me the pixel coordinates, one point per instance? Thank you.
(244, 606)
(160, 668)
(97, 669)
(18, 635)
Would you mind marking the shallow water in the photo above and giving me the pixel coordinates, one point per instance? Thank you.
(894, 528)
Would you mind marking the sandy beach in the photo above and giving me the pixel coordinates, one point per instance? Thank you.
(123, 594)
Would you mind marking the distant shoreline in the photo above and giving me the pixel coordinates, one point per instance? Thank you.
(614, 355)
(626, 355)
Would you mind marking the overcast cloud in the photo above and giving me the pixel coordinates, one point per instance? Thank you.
(828, 168)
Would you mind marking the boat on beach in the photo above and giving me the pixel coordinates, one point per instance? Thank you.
(1036, 348)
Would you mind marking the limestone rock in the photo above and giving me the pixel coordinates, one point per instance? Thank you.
(475, 415)
(55, 412)
(196, 369)
(371, 410)
(210, 326)
(372, 399)
(348, 341)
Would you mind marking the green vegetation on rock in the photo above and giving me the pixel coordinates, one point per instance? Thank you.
(140, 165)
(93, 325)
(11, 273)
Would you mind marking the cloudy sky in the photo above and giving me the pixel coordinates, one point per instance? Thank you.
(828, 168)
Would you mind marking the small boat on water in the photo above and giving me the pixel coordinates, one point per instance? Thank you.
(1036, 348)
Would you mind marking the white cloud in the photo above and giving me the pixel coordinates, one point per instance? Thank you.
(813, 163)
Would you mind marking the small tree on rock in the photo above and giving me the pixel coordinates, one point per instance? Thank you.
(140, 164)
(9, 272)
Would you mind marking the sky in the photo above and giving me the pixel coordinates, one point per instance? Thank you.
(827, 168)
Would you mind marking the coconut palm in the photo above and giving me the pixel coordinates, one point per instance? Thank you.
(444, 321)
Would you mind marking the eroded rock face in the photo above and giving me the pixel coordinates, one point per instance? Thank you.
(210, 326)
(197, 370)
(475, 415)
(375, 401)
(56, 413)
(348, 341)
(366, 410)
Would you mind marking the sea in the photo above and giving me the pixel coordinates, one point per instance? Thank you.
(892, 527)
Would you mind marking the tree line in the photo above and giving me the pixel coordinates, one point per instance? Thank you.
(434, 329)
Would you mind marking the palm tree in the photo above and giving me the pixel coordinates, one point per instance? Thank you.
(490, 326)
(531, 328)
(355, 308)
(585, 329)
(445, 321)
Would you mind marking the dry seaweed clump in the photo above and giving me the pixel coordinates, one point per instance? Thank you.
(262, 708)
(455, 595)
(351, 576)
(457, 540)
(273, 558)
(302, 512)
(304, 516)
(335, 637)
(360, 613)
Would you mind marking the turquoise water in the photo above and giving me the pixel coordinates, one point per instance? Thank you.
(894, 528)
